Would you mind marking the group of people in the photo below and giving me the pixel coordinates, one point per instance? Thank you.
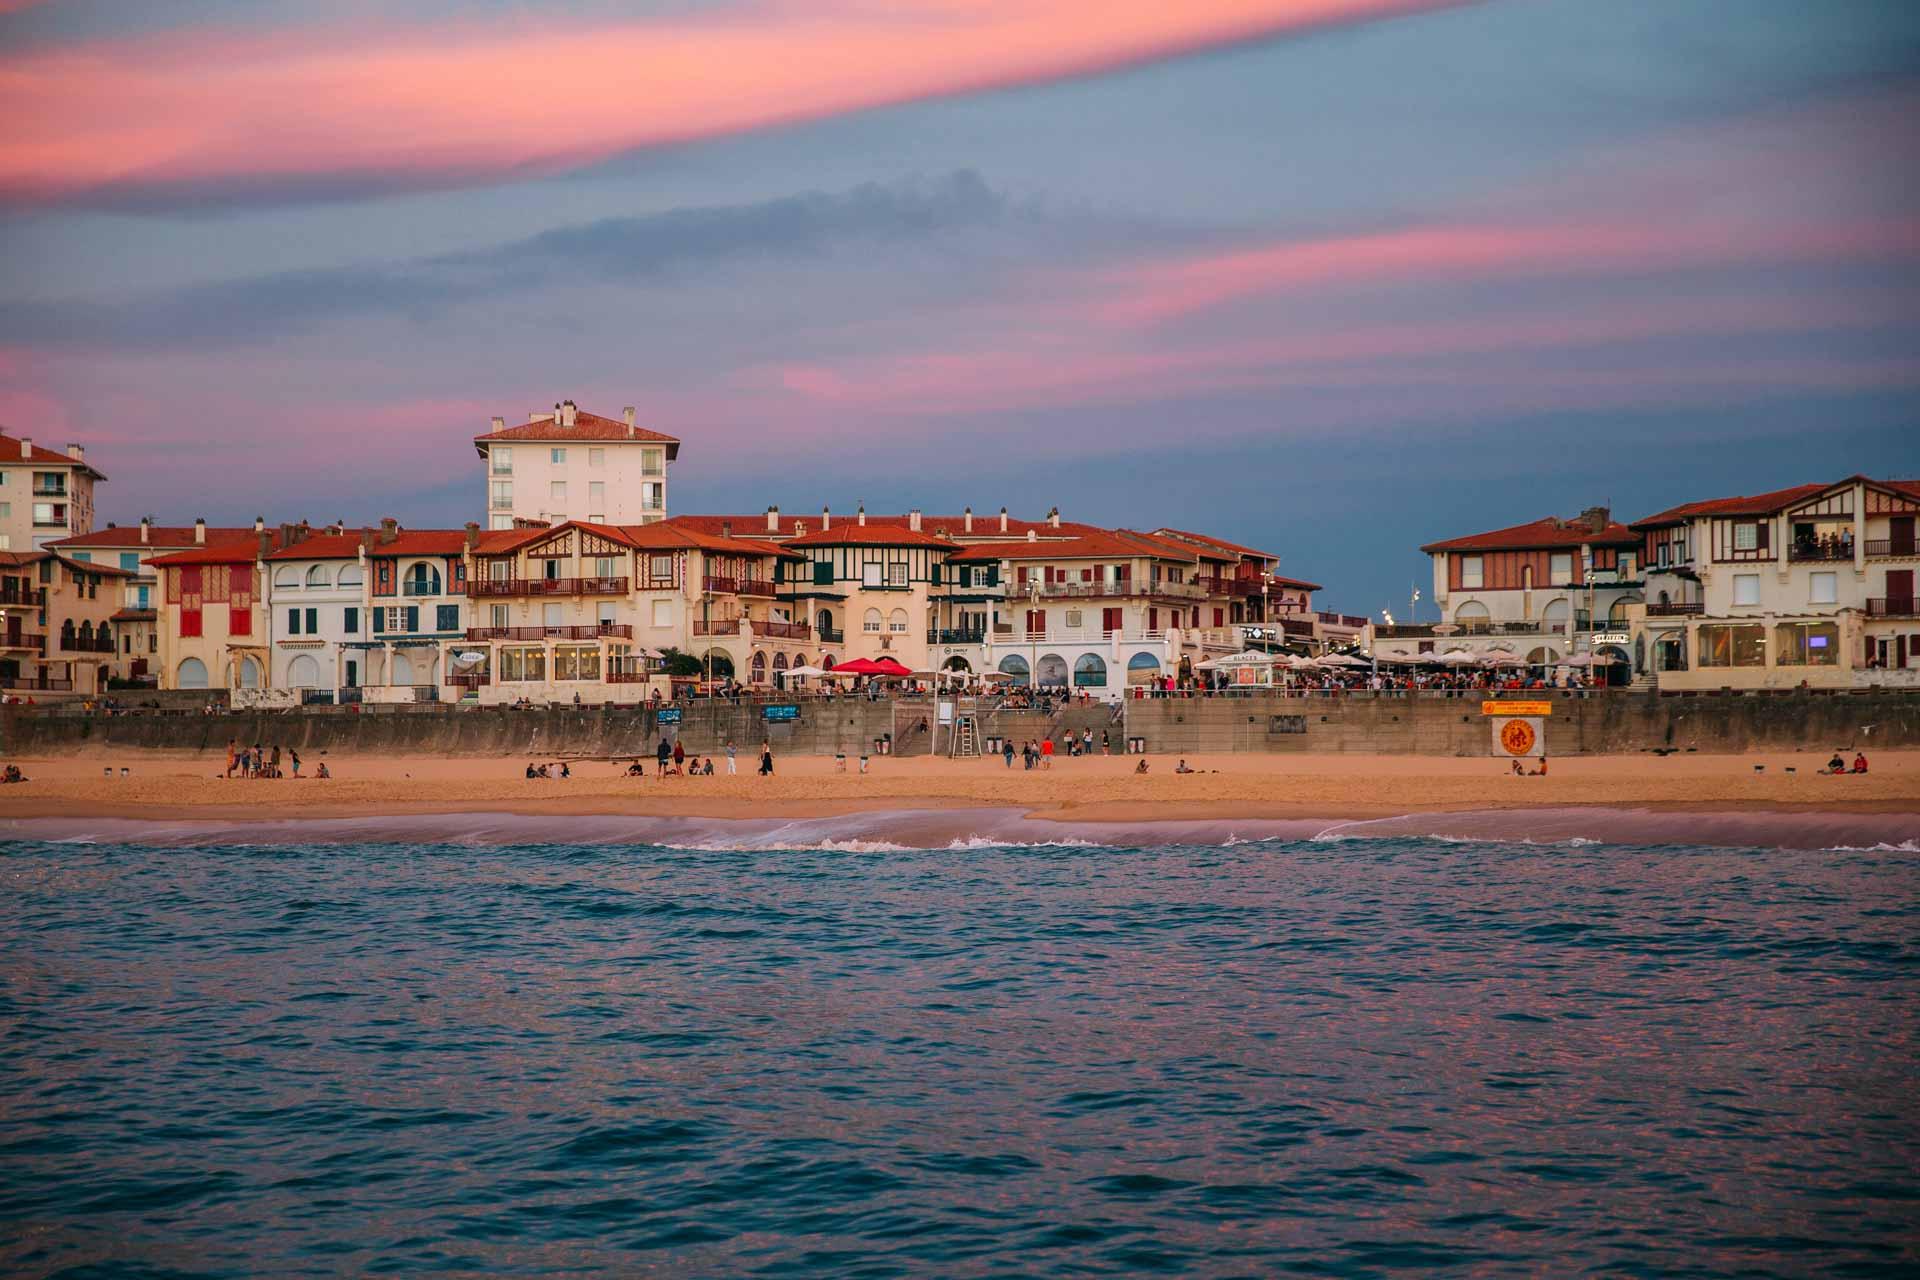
(672, 758)
(259, 762)
(558, 769)
(1839, 765)
(12, 774)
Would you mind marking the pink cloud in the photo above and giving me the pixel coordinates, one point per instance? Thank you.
(421, 107)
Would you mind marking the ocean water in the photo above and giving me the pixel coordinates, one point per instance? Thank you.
(1339, 1057)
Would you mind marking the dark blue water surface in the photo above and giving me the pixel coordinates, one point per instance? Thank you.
(1359, 1058)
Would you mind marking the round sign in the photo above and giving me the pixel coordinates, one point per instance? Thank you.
(1516, 737)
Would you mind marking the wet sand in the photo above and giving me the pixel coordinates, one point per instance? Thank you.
(166, 786)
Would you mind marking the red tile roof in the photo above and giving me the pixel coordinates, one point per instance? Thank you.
(1544, 534)
(1219, 544)
(135, 615)
(1098, 544)
(587, 427)
(13, 449)
(127, 537)
(1758, 504)
(345, 544)
(225, 551)
(854, 534)
(984, 525)
(20, 559)
(92, 566)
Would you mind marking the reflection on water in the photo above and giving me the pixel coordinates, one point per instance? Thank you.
(1358, 1058)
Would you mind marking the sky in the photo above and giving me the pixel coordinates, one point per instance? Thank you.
(1330, 277)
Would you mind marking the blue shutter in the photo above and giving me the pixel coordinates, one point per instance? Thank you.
(353, 620)
(379, 621)
(293, 622)
(313, 622)
(413, 618)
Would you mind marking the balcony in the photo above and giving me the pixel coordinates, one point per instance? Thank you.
(782, 630)
(832, 635)
(33, 640)
(957, 635)
(1341, 619)
(73, 644)
(411, 588)
(590, 631)
(1676, 609)
(32, 597)
(43, 490)
(546, 587)
(720, 585)
(756, 587)
(39, 684)
(716, 626)
(1826, 549)
(465, 680)
(1893, 607)
(1884, 548)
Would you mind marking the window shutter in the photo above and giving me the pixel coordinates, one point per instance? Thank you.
(293, 622)
(379, 621)
(413, 618)
(313, 622)
(1764, 533)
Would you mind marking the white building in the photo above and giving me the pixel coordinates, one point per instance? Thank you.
(569, 465)
(44, 496)
(316, 602)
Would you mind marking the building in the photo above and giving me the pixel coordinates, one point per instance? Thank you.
(1541, 592)
(1809, 585)
(56, 622)
(44, 496)
(213, 627)
(570, 465)
(871, 585)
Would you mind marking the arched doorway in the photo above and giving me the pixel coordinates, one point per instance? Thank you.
(758, 666)
(1089, 671)
(1542, 655)
(824, 621)
(719, 664)
(1016, 666)
(1142, 668)
(826, 662)
(249, 673)
(303, 672)
(423, 580)
(402, 669)
(1557, 615)
(192, 674)
(1619, 671)
(1052, 671)
(1471, 615)
(957, 663)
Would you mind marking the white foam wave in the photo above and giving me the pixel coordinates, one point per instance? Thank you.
(1905, 846)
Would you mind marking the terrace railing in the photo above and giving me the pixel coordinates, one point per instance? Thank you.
(589, 631)
(547, 587)
(1893, 607)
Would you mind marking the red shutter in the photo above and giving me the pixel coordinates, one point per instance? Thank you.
(1760, 539)
(1110, 620)
(1219, 617)
(192, 598)
(240, 601)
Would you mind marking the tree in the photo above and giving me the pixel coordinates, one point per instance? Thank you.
(676, 663)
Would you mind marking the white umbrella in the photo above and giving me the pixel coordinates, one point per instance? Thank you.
(1504, 660)
(1340, 660)
(995, 675)
(1458, 658)
(806, 672)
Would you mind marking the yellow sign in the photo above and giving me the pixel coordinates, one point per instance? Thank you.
(1516, 708)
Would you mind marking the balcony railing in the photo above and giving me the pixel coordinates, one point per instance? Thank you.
(547, 586)
(782, 630)
(412, 588)
(957, 635)
(42, 684)
(589, 631)
(716, 626)
(468, 680)
(719, 584)
(23, 640)
(756, 587)
(49, 491)
(74, 644)
(1340, 619)
(1893, 607)
(1826, 549)
(1676, 609)
(1883, 547)
(1425, 630)
(34, 597)
(832, 635)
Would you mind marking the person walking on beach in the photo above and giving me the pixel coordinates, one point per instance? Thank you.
(295, 754)
(233, 755)
(766, 759)
(679, 757)
(1106, 742)
(1046, 753)
(731, 769)
(663, 754)
(1006, 750)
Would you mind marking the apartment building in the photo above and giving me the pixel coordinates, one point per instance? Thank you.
(213, 627)
(1809, 585)
(56, 623)
(572, 465)
(44, 496)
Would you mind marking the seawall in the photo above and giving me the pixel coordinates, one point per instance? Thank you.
(1425, 724)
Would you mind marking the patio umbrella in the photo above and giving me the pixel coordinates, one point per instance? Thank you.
(806, 672)
(1340, 660)
(1458, 658)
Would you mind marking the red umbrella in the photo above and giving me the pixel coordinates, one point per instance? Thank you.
(869, 667)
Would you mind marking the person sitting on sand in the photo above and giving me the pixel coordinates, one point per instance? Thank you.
(636, 770)
(1141, 767)
(1541, 772)
(1518, 772)
(706, 766)
(1859, 762)
(1181, 767)
(565, 772)
(323, 771)
(531, 771)
(1837, 764)
(13, 774)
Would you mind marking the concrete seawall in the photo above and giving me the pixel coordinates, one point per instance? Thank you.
(1399, 725)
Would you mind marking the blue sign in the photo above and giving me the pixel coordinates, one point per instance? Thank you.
(782, 712)
(667, 715)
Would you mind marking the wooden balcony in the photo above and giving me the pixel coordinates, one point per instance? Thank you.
(1885, 548)
(590, 631)
(782, 630)
(717, 626)
(468, 680)
(1893, 607)
(37, 684)
(1676, 609)
(31, 598)
(33, 640)
(478, 587)
(1826, 549)
(73, 644)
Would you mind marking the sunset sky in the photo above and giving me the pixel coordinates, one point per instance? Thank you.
(1333, 277)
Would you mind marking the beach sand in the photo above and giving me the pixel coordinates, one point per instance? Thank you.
(1091, 789)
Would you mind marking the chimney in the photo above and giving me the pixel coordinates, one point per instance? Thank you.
(826, 518)
(1003, 519)
(366, 541)
(627, 413)
(726, 528)
(389, 529)
(259, 523)
(913, 519)
(773, 519)
(861, 512)
(26, 448)
(473, 534)
(968, 517)
(1053, 517)
(1596, 518)
(77, 453)
(200, 529)
(265, 541)
(567, 411)
(499, 424)
(799, 528)
(146, 530)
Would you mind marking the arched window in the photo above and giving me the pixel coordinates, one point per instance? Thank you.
(423, 580)
(720, 664)
(192, 675)
(1142, 668)
(1555, 615)
(352, 575)
(873, 620)
(1052, 671)
(826, 662)
(897, 622)
(249, 674)
(1090, 670)
(1617, 611)
(286, 576)
(303, 672)
(318, 576)
(1469, 613)
(1016, 666)
(779, 662)
(402, 669)
(759, 667)
(825, 623)
(957, 663)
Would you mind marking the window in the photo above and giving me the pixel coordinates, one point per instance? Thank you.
(1746, 537)
(596, 457)
(606, 566)
(446, 617)
(897, 624)
(1744, 645)
(313, 622)
(870, 575)
(1823, 588)
(651, 462)
(293, 622)
(287, 576)
(1746, 588)
(49, 513)
(523, 663)
(351, 621)
(1560, 569)
(318, 576)
(822, 573)
(663, 613)
(604, 613)
(597, 494)
(553, 615)
(130, 561)
(897, 574)
(1472, 572)
(558, 457)
(653, 496)
(557, 491)
(1806, 644)
(576, 662)
(1073, 617)
(502, 493)
(872, 621)
(352, 576)
(502, 456)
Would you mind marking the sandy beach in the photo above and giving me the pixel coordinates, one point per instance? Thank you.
(1093, 789)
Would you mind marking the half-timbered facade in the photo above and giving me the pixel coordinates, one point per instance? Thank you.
(1812, 584)
(213, 627)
